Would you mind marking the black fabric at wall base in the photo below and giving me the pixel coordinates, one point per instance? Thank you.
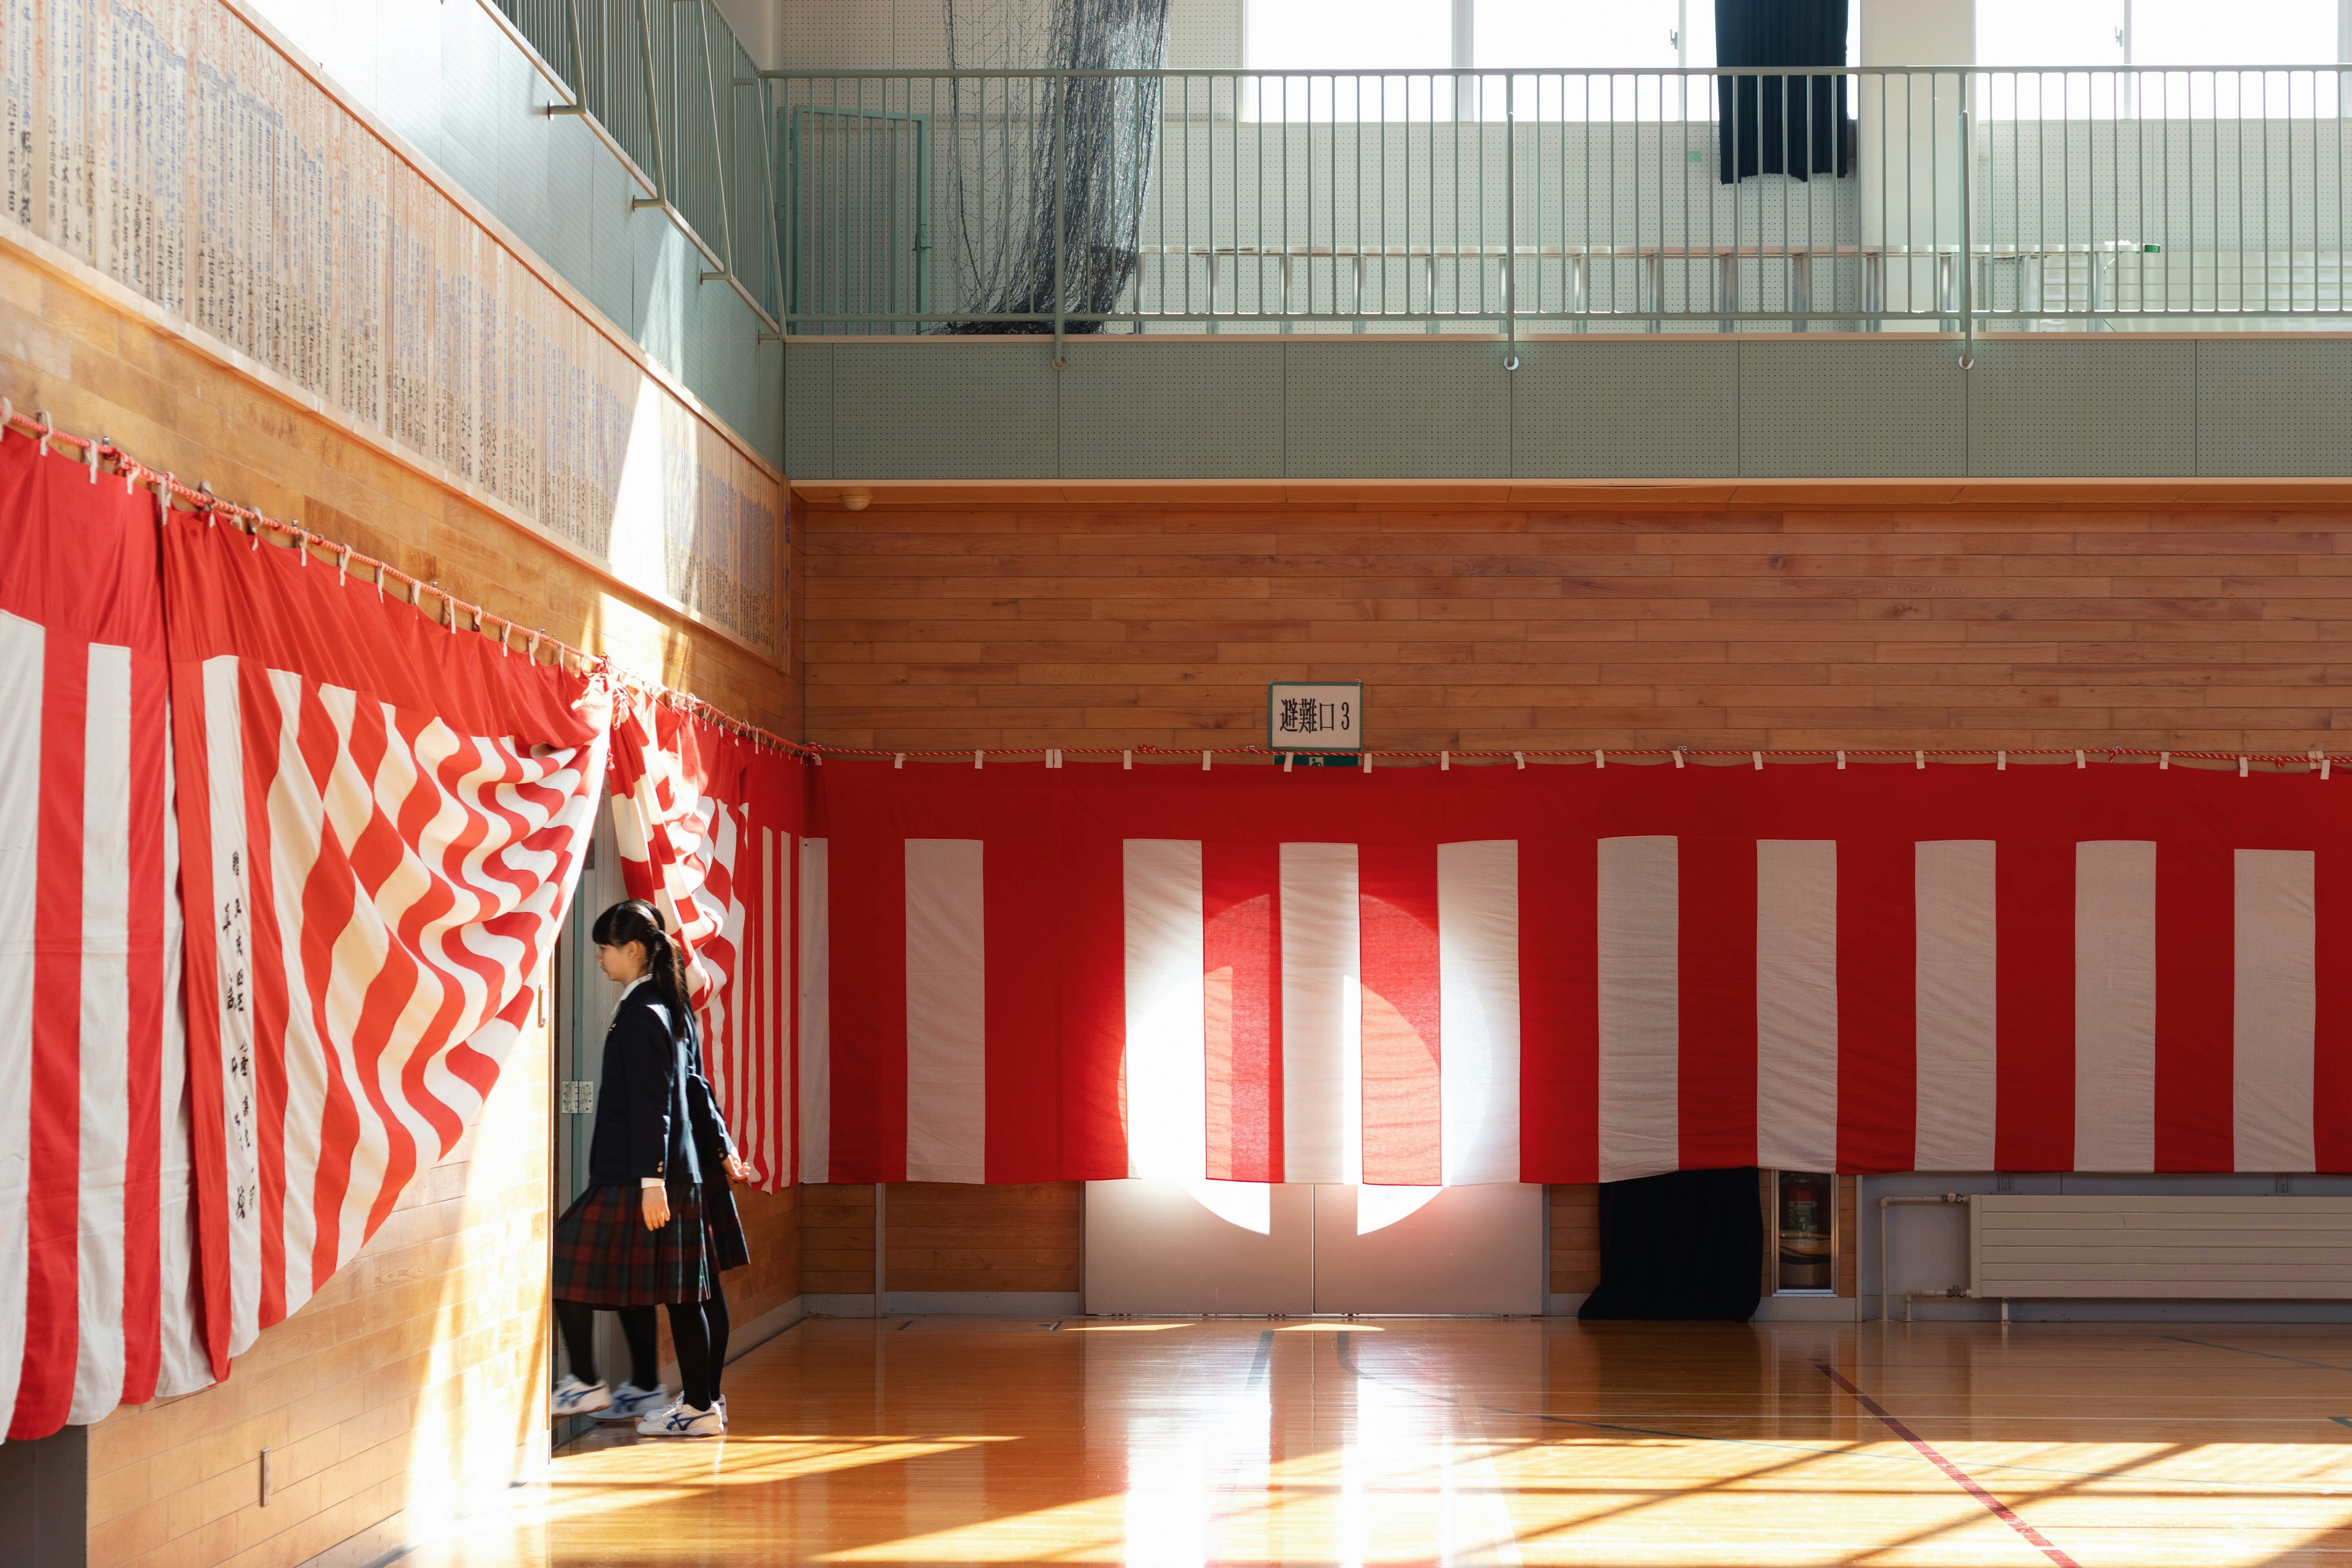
(1687, 1246)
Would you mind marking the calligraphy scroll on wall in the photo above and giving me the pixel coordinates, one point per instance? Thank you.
(171, 146)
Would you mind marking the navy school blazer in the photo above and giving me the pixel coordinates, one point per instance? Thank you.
(644, 1122)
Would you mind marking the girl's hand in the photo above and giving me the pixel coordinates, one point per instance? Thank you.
(656, 1201)
(737, 1171)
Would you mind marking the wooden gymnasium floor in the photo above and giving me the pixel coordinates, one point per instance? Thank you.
(1403, 1440)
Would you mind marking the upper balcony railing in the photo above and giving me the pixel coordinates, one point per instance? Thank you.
(1513, 202)
(670, 89)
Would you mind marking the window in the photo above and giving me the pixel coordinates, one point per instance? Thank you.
(1341, 48)
(1634, 35)
(2195, 46)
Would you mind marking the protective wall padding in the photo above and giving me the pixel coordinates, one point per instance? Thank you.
(1852, 408)
(2117, 406)
(922, 408)
(1372, 409)
(1668, 405)
(1619, 410)
(808, 410)
(2268, 406)
(1204, 408)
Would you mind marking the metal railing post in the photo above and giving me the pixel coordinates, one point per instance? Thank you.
(1061, 184)
(717, 151)
(653, 111)
(1510, 223)
(1968, 226)
(579, 104)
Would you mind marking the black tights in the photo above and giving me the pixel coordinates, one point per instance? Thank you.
(697, 1329)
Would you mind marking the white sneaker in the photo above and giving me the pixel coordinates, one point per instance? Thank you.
(683, 1420)
(574, 1397)
(631, 1402)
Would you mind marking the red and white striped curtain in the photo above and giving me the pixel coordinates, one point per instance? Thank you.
(705, 822)
(1573, 973)
(383, 821)
(96, 1303)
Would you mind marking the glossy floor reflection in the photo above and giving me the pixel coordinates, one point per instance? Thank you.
(955, 1440)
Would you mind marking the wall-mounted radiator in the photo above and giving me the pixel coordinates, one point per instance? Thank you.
(2171, 1248)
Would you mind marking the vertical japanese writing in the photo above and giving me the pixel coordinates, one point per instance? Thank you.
(236, 1040)
(173, 148)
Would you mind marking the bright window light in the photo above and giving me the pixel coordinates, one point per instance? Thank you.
(2243, 33)
(1635, 37)
(2249, 33)
(2049, 32)
(1342, 49)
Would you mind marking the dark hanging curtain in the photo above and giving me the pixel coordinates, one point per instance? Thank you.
(1007, 236)
(1687, 1246)
(1782, 124)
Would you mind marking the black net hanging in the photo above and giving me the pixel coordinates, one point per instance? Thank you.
(1005, 138)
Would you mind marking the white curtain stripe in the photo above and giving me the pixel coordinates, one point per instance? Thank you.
(2276, 1009)
(946, 1012)
(2114, 1005)
(1167, 1088)
(1955, 907)
(1478, 1010)
(23, 655)
(1639, 918)
(816, 1050)
(1796, 1003)
(225, 775)
(772, 1035)
(297, 816)
(186, 1365)
(105, 1031)
(1322, 1013)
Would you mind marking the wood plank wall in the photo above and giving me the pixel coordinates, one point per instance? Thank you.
(419, 1373)
(1575, 1239)
(943, 1236)
(2061, 623)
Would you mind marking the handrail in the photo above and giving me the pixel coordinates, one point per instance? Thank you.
(1499, 201)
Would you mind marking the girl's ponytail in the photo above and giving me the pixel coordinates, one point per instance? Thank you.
(634, 920)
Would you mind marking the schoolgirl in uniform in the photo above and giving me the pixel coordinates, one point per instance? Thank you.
(727, 1247)
(638, 1236)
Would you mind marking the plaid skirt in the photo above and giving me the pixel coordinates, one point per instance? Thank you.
(729, 1248)
(605, 1257)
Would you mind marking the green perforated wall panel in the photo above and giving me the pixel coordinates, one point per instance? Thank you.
(808, 410)
(1865, 408)
(2102, 406)
(970, 409)
(1162, 411)
(2268, 406)
(1603, 410)
(1365, 408)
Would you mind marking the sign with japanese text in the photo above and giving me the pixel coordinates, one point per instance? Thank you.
(1315, 715)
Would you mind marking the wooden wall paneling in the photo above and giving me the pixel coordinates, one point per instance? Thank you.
(2062, 621)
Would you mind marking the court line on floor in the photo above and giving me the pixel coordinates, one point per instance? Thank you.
(1348, 1361)
(2266, 1355)
(1958, 1477)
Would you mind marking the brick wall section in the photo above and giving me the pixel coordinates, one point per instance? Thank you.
(423, 1365)
(417, 1373)
(2060, 624)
